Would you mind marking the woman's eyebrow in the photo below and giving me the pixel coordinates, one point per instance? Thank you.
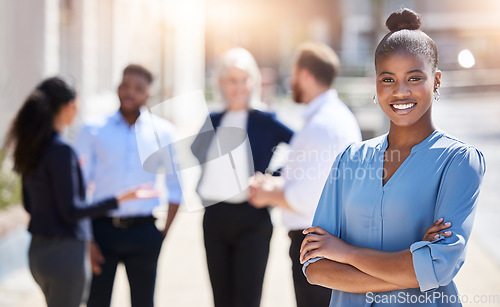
(409, 72)
(414, 71)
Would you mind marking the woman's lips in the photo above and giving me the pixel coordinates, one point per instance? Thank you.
(403, 108)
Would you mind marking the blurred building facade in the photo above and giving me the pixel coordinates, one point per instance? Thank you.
(91, 41)
(271, 30)
(454, 25)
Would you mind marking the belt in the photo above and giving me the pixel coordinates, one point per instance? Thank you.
(128, 222)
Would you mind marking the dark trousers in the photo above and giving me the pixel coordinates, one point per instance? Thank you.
(237, 240)
(138, 248)
(61, 268)
(307, 295)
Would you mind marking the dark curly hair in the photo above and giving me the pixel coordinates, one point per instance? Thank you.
(33, 126)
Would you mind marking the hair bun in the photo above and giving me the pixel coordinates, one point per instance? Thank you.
(403, 19)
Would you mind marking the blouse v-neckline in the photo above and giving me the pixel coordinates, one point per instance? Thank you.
(414, 149)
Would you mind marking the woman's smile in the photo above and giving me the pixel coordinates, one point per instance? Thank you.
(403, 108)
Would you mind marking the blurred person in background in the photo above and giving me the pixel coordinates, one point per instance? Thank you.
(110, 160)
(329, 127)
(54, 193)
(236, 234)
(367, 241)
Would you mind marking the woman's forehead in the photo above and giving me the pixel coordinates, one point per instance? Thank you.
(235, 71)
(403, 61)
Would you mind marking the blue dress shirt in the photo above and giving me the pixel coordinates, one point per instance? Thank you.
(440, 178)
(110, 159)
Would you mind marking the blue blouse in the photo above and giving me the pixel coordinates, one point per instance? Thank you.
(440, 178)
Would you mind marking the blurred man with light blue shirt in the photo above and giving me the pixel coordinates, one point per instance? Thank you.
(110, 160)
(329, 126)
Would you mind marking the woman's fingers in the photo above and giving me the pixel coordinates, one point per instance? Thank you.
(309, 239)
(438, 227)
(314, 253)
(439, 221)
(315, 229)
(432, 233)
(434, 236)
(446, 234)
(307, 249)
(312, 237)
(443, 226)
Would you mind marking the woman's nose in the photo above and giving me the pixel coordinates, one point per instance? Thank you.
(401, 90)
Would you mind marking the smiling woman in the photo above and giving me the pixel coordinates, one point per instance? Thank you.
(370, 233)
(406, 62)
(405, 86)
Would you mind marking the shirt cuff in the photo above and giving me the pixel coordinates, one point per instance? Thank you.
(423, 265)
(308, 262)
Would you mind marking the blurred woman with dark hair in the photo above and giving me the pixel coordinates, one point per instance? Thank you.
(54, 193)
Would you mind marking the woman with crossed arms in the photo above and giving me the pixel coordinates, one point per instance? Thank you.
(366, 243)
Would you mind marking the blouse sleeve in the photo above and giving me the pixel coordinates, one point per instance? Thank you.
(436, 263)
(65, 183)
(328, 213)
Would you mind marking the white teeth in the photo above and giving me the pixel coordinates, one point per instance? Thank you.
(403, 106)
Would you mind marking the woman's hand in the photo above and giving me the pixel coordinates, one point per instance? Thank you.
(433, 232)
(144, 191)
(320, 243)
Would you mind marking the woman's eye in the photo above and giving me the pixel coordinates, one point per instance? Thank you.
(387, 80)
(414, 79)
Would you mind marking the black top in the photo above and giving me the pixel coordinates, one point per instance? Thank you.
(264, 130)
(54, 195)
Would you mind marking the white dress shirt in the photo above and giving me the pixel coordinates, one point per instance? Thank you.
(216, 182)
(109, 158)
(329, 127)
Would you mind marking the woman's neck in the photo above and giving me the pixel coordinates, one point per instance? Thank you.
(407, 137)
(240, 109)
(59, 124)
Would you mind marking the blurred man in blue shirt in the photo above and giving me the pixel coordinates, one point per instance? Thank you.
(110, 160)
